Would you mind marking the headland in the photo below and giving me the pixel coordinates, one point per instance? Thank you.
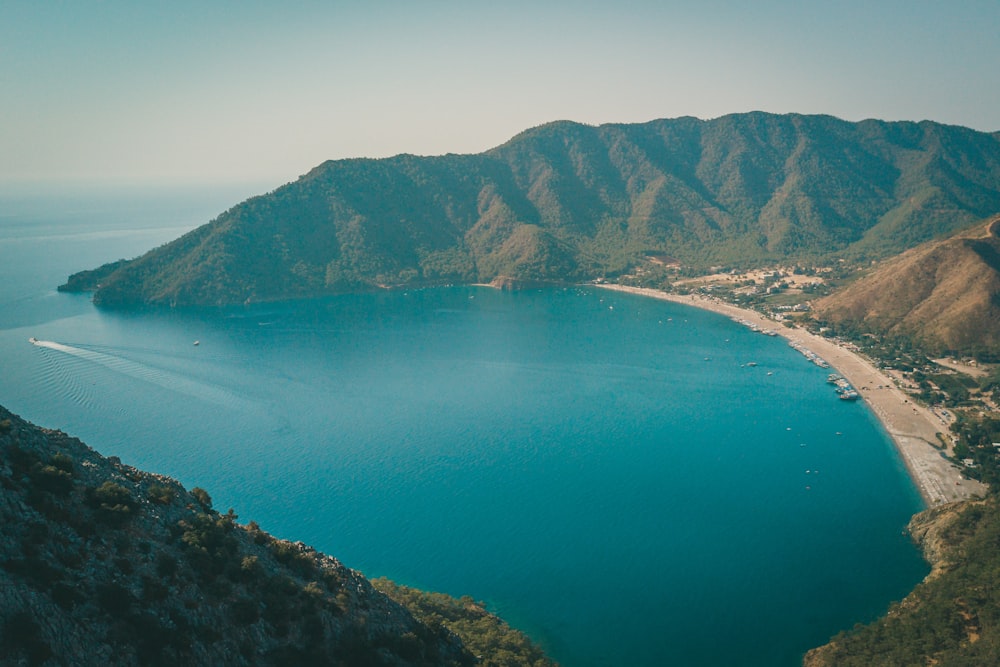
(918, 433)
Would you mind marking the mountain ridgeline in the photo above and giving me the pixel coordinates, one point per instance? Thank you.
(565, 201)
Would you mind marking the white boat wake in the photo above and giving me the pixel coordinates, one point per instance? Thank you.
(160, 377)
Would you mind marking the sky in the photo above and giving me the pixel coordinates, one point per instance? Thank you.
(237, 92)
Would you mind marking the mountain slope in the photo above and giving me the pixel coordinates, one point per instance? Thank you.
(945, 294)
(103, 564)
(953, 616)
(566, 201)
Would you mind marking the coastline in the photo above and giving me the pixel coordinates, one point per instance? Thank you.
(913, 428)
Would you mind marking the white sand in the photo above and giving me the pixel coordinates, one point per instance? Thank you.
(913, 427)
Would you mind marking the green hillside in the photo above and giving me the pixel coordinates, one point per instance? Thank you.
(566, 201)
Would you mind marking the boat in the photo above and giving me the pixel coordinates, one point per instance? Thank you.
(850, 395)
(197, 343)
(33, 340)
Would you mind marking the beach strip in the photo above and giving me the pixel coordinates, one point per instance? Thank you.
(913, 428)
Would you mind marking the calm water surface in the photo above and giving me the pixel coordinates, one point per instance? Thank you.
(604, 470)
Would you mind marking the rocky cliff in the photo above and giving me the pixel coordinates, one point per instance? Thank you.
(952, 617)
(103, 564)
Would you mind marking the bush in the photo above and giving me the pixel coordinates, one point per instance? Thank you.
(66, 595)
(63, 462)
(114, 599)
(201, 495)
(209, 545)
(52, 479)
(161, 495)
(166, 565)
(154, 590)
(113, 501)
(245, 611)
(22, 636)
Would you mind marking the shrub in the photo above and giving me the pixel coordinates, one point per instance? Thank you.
(166, 565)
(245, 611)
(113, 501)
(153, 590)
(63, 462)
(201, 495)
(52, 479)
(110, 496)
(161, 495)
(22, 636)
(66, 595)
(114, 599)
(209, 545)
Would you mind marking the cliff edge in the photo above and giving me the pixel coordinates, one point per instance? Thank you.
(104, 564)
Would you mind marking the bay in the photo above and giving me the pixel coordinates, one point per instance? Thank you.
(605, 471)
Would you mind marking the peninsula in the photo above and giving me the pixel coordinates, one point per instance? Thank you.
(566, 202)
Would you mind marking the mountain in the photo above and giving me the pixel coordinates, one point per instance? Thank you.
(565, 201)
(944, 294)
(103, 564)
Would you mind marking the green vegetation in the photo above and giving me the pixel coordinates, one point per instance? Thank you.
(103, 560)
(953, 617)
(567, 202)
(486, 636)
(161, 495)
(950, 619)
(201, 495)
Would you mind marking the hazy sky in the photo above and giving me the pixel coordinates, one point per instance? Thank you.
(246, 91)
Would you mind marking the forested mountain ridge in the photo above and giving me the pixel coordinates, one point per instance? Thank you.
(104, 564)
(566, 201)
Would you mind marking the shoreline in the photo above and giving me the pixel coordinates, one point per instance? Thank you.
(912, 427)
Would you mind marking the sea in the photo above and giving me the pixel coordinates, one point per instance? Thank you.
(629, 481)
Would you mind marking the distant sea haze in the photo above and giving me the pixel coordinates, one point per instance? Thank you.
(609, 473)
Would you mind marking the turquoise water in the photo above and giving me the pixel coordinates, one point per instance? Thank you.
(603, 470)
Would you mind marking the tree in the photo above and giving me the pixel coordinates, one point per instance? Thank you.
(201, 495)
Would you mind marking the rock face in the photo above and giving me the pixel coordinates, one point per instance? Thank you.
(103, 564)
(929, 530)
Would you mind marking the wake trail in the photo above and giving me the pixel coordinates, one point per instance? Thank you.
(157, 376)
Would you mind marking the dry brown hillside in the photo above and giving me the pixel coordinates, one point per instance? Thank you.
(944, 293)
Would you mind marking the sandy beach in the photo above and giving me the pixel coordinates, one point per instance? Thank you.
(913, 427)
